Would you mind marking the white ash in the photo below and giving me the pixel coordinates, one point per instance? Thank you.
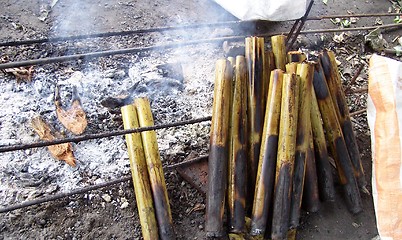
(32, 173)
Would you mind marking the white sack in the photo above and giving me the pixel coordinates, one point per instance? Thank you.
(384, 115)
(272, 10)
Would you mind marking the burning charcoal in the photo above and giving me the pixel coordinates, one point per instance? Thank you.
(74, 119)
(62, 151)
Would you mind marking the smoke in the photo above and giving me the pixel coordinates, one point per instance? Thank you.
(76, 17)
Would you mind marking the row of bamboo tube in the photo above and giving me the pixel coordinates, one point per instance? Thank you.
(273, 115)
(147, 173)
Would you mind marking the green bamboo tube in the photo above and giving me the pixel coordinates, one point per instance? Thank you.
(267, 159)
(305, 71)
(238, 152)
(219, 149)
(336, 142)
(286, 156)
(256, 107)
(311, 198)
(138, 166)
(342, 111)
(324, 173)
(278, 44)
(296, 56)
(155, 170)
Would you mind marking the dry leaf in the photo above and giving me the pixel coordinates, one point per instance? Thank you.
(74, 119)
(21, 73)
(63, 151)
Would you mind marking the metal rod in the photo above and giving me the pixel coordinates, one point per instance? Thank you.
(292, 39)
(86, 56)
(101, 135)
(173, 28)
(120, 33)
(355, 15)
(89, 188)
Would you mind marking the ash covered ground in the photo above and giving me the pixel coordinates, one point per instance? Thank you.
(111, 213)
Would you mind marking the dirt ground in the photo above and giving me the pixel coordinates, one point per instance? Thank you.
(91, 216)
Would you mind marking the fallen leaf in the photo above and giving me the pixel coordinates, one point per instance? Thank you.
(325, 1)
(21, 73)
(63, 151)
(74, 118)
(375, 40)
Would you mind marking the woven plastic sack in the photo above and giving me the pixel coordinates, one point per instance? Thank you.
(384, 114)
(272, 10)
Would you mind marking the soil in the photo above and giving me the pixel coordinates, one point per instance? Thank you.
(93, 215)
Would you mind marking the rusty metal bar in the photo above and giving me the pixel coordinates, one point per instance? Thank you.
(88, 56)
(83, 190)
(101, 135)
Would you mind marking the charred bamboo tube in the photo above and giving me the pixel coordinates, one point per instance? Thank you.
(305, 71)
(267, 160)
(256, 107)
(286, 156)
(138, 166)
(296, 56)
(238, 151)
(342, 110)
(269, 67)
(219, 148)
(311, 198)
(336, 142)
(324, 173)
(155, 171)
(278, 43)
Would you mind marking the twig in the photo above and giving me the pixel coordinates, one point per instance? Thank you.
(352, 114)
(353, 80)
(89, 188)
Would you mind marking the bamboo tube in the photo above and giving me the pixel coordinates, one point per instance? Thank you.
(342, 110)
(267, 159)
(296, 56)
(291, 67)
(155, 171)
(305, 71)
(286, 156)
(219, 147)
(324, 173)
(336, 142)
(237, 153)
(256, 107)
(232, 61)
(311, 198)
(279, 50)
(138, 166)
